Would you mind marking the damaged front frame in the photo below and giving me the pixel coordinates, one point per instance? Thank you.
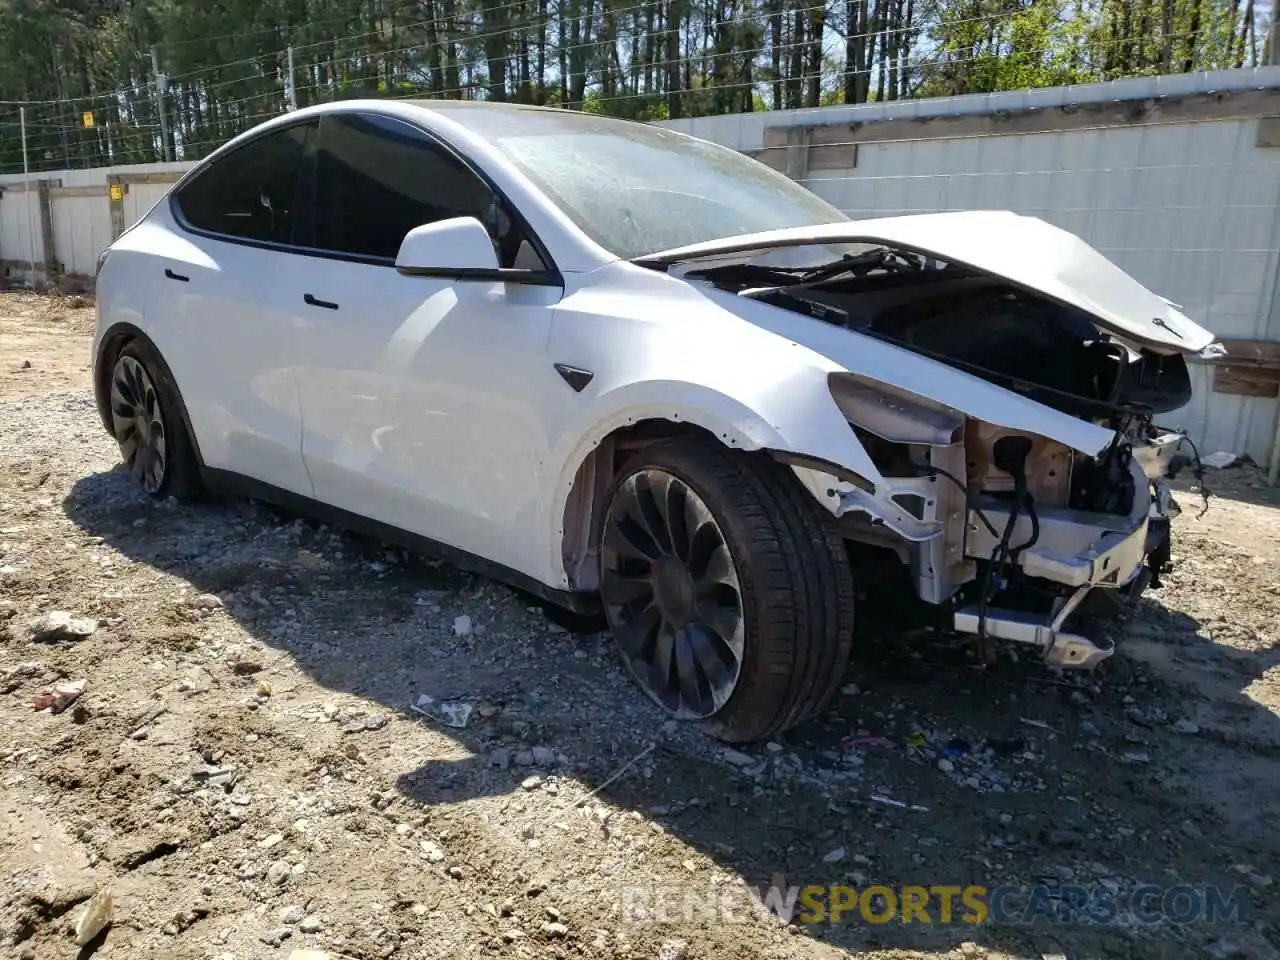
(941, 538)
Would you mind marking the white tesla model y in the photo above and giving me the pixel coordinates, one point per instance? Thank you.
(630, 370)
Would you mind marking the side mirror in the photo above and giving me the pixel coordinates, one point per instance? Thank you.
(448, 248)
(461, 249)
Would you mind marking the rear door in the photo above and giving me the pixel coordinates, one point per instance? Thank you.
(232, 346)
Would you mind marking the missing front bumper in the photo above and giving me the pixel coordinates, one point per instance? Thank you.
(1044, 632)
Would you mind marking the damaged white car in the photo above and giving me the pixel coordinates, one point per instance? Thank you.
(625, 369)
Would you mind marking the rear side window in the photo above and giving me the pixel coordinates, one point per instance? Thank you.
(251, 193)
(378, 177)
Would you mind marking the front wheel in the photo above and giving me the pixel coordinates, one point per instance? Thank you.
(728, 591)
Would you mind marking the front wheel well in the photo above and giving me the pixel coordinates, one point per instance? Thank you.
(584, 506)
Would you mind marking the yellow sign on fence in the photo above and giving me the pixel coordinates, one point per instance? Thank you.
(117, 193)
(87, 117)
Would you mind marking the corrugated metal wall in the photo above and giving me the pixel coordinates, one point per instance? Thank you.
(1192, 209)
(80, 211)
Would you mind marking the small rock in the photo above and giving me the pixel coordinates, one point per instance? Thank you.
(206, 601)
(292, 915)
(555, 929)
(739, 759)
(455, 872)
(462, 626)
(56, 625)
(673, 950)
(95, 917)
(544, 755)
(60, 696)
(1135, 756)
(278, 872)
(670, 727)
(524, 758)
(266, 843)
(971, 949)
(773, 747)
(1186, 727)
(1059, 838)
(500, 758)
(945, 765)
(305, 955)
(530, 783)
(431, 851)
(310, 925)
(1190, 830)
(273, 938)
(834, 856)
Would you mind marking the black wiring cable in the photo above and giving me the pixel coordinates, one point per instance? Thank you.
(1197, 471)
(969, 498)
(1030, 504)
(998, 557)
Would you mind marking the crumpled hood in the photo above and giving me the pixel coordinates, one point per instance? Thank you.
(1025, 251)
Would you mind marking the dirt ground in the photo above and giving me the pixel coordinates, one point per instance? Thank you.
(244, 775)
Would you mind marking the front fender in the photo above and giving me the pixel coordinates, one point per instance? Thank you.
(798, 418)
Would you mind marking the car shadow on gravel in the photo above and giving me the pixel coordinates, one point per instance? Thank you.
(927, 770)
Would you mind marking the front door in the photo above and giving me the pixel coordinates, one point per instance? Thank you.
(420, 395)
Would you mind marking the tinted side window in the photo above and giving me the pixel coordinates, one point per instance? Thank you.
(377, 178)
(251, 192)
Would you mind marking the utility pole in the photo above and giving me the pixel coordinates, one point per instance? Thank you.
(162, 89)
(27, 193)
(291, 88)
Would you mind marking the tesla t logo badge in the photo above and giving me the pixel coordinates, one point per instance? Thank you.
(1162, 322)
(575, 377)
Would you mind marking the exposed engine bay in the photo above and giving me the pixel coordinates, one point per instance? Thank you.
(1016, 338)
(1007, 532)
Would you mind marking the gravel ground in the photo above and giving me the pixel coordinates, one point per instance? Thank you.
(242, 772)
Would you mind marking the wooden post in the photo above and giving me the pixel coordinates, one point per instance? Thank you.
(52, 268)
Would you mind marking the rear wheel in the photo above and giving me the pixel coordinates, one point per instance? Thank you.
(728, 591)
(148, 426)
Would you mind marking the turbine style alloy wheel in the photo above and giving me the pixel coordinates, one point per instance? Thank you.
(138, 423)
(672, 594)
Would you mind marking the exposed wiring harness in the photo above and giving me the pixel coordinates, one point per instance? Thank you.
(1197, 471)
(970, 500)
(1002, 553)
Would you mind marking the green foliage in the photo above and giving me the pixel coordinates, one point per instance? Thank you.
(227, 62)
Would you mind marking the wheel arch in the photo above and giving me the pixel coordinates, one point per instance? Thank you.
(592, 467)
(115, 339)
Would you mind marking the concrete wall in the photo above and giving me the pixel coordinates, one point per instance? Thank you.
(1173, 178)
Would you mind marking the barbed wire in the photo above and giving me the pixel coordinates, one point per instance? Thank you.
(101, 143)
(554, 48)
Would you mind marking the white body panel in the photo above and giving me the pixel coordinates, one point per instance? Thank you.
(434, 405)
(226, 334)
(426, 404)
(1024, 250)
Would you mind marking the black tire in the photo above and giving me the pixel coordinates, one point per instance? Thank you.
(796, 583)
(180, 474)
